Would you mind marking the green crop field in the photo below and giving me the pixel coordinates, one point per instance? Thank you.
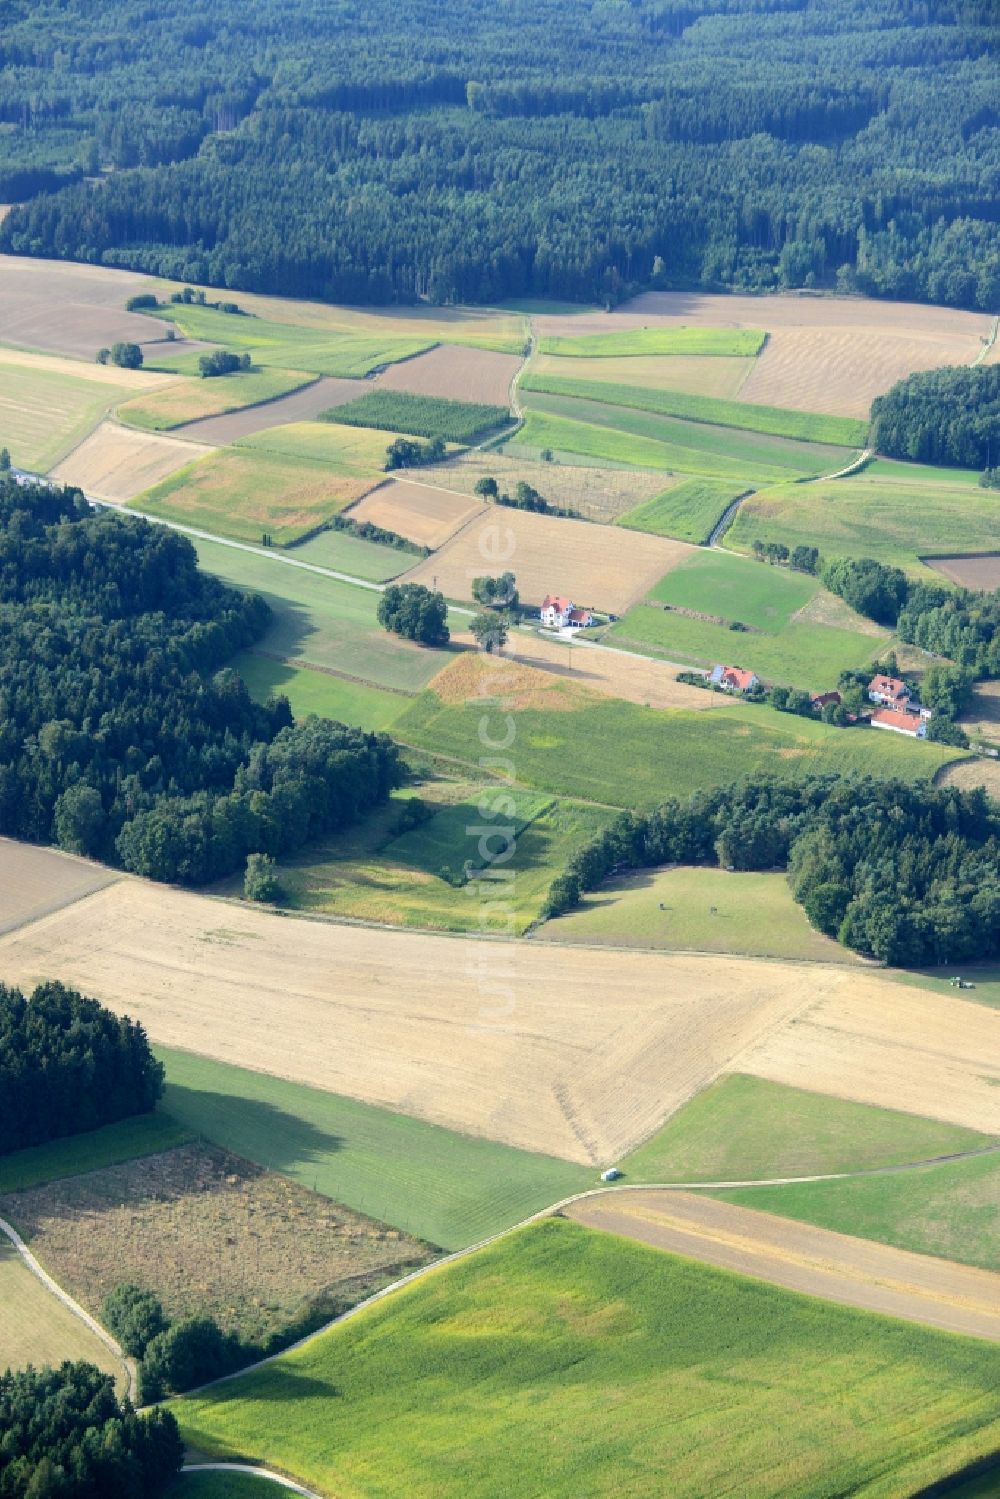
(736, 342)
(343, 552)
(571, 440)
(618, 753)
(321, 622)
(225, 1486)
(447, 1188)
(311, 691)
(689, 512)
(420, 416)
(189, 400)
(564, 1361)
(806, 426)
(868, 516)
(35, 1327)
(716, 583)
(745, 1129)
(414, 879)
(129, 1138)
(320, 351)
(44, 414)
(243, 494)
(802, 655)
(701, 447)
(700, 910)
(895, 471)
(950, 1210)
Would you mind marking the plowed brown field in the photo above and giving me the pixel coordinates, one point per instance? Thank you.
(70, 309)
(118, 463)
(421, 512)
(35, 881)
(458, 374)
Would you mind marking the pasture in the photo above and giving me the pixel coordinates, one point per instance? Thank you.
(774, 421)
(420, 511)
(420, 415)
(745, 1129)
(599, 494)
(116, 463)
(688, 511)
(739, 343)
(697, 374)
(575, 743)
(242, 493)
(701, 910)
(343, 552)
(605, 568)
(715, 583)
(212, 1235)
(309, 690)
(318, 621)
(564, 1359)
(949, 1209)
(191, 400)
(902, 522)
(47, 406)
(127, 1140)
(225, 1485)
(35, 1327)
(444, 1187)
(455, 374)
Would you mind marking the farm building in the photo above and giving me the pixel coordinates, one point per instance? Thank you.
(900, 721)
(821, 700)
(733, 679)
(889, 691)
(559, 613)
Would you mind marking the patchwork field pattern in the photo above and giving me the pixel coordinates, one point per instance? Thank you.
(688, 511)
(697, 374)
(421, 512)
(599, 494)
(303, 405)
(187, 401)
(421, 415)
(115, 463)
(741, 343)
(458, 374)
(70, 309)
(604, 568)
(212, 1235)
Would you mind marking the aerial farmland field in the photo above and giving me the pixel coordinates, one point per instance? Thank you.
(311, 690)
(688, 511)
(695, 374)
(599, 494)
(191, 400)
(456, 374)
(736, 343)
(116, 463)
(418, 510)
(37, 1329)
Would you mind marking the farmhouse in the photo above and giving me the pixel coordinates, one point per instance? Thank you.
(889, 691)
(559, 612)
(900, 721)
(821, 700)
(733, 679)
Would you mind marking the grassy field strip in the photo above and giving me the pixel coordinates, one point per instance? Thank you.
(258, 1479)
(738, 342)
(67, 1301)
(128, 1140)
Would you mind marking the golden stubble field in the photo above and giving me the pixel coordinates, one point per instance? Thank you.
(601, 567)
(118, 463)
(580, 1053)
(422, 513)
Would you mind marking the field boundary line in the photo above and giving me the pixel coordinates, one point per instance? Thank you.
(855, 466)
(251, 406)
(269, 1473)
(28, 1259)
(603, 1191)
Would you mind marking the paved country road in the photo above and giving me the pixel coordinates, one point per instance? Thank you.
(799, 1257)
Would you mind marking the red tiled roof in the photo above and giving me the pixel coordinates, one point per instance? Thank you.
(896, 718)
(556, 601)
(735, 676)
(820, 699)
(580, 617)
(888, 686)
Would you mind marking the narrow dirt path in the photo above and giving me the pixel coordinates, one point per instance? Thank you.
(800, 1257)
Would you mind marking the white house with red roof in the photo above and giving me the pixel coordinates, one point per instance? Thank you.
(889, 691)
(900, 721)
(733, 679)
(560, 613)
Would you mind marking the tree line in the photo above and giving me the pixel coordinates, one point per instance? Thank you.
(122, 734)
(68, 1065)
(854, 145)
(947, 416)
(905, 873)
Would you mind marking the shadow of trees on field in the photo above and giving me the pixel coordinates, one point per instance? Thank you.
(250, 1127)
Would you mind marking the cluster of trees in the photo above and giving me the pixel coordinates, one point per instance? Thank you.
(66, 1435)
(525, 497)
(854, 145)
(68, 1065)
(905, 873)
(802, 559)
(122, 735)
(405, 452)
(415, 613)
(496, 592)
(221, 362)
(990, 478)
(172, 1356)
(947, 416)
(366, 530)
(127, 356)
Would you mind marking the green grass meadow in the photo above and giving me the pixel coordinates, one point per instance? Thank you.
(146, 1134)
(805, 426)
(950, 1210)
(572, 441)
(688, 512)
(697, 910)
(717, 583)
(447, 1188)
(225, 1486)
(742, 343)
(420, 416)
(320, 692)
(563, 1361)
(343, 552)
(745, 1129)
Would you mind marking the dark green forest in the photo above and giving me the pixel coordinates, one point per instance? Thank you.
(400, 149)
(122, 734)
(949, 416)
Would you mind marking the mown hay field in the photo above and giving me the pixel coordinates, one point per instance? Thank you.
(599, 494)
(594, 566)
(243, 494)
(457, 374)
(35, 1327)
(603, 443)
(564, 1359)
(190, 400)
(696, 374)
(732, 342)
(420, 511)
(344, 552)
(212, 1235)
(613, 673)
(688, 511)
(114, 463)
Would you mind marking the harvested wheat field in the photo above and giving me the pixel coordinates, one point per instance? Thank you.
(599, 494)
(70, 309)
(423, 513)
(211, 1235)
(97, 374)
(596, 566)
(117, 463)
(898, 1048)
(35, 881)
(301, 406)
(458, 374)
(969, 572)
(574, 1052)
(815, 1261)
(969, 775)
